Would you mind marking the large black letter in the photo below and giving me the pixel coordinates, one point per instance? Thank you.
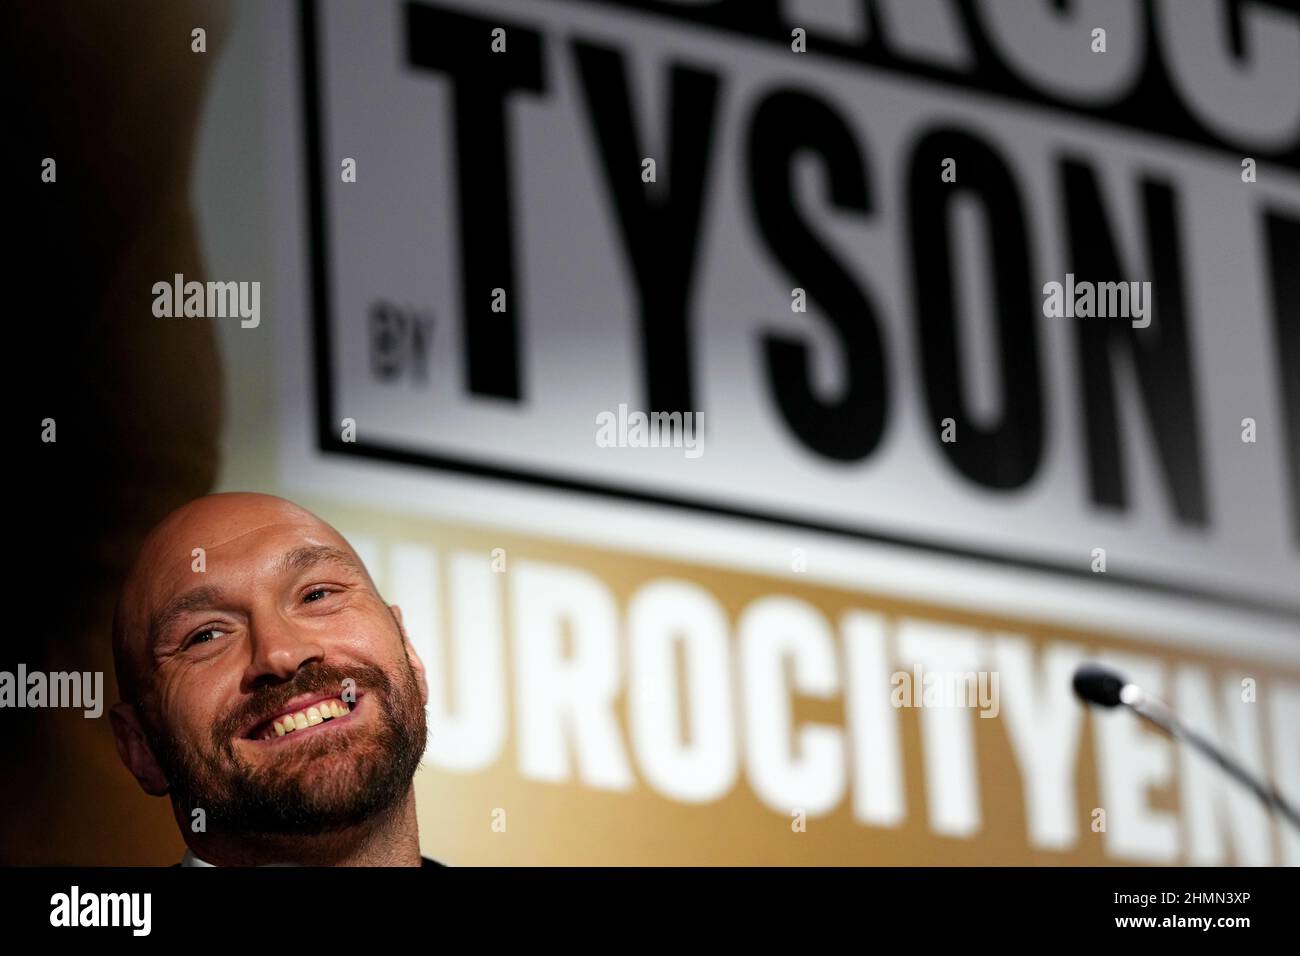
(661, 227)
(460, 46)
(786, 123)
(1283, 239)
(1005, 455)
(1159, 353)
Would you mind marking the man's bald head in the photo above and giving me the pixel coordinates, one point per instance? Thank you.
(167, 554)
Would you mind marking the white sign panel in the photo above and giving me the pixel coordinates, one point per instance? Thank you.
(532, 222)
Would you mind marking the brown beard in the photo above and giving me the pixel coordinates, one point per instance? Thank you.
(327, 784)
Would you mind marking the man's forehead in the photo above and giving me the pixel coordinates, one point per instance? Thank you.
(226, 536)
(221, 517)
(249, 552)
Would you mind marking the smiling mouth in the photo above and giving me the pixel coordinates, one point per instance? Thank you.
(304, 719)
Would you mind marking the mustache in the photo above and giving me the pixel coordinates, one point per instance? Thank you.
(316, 679)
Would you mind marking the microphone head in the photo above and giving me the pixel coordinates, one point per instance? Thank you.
(1099, 685)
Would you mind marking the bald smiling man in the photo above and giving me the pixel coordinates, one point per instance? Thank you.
(266, 683)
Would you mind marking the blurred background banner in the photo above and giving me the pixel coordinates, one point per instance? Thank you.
(818, 238)
(498, 275)
(688, 654)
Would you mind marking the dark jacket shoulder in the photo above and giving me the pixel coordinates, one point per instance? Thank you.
(424, 862)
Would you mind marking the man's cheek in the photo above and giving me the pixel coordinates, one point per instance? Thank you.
(181, 703)
(372, 647)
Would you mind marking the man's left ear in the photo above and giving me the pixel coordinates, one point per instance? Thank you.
(416, 664)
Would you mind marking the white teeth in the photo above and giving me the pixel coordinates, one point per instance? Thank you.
(316, 714)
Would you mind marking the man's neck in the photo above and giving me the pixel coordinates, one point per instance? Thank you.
(390, 839)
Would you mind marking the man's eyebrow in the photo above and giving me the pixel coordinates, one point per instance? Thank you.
(300, 559)
(195, 599)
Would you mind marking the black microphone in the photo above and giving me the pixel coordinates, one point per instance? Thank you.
(1104, 687)
(1098, 685)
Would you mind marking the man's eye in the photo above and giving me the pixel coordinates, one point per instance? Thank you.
(315, 595)
(203, 636)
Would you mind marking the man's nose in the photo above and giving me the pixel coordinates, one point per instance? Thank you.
(279, 649)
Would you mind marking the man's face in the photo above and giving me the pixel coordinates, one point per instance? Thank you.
(278, 692)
